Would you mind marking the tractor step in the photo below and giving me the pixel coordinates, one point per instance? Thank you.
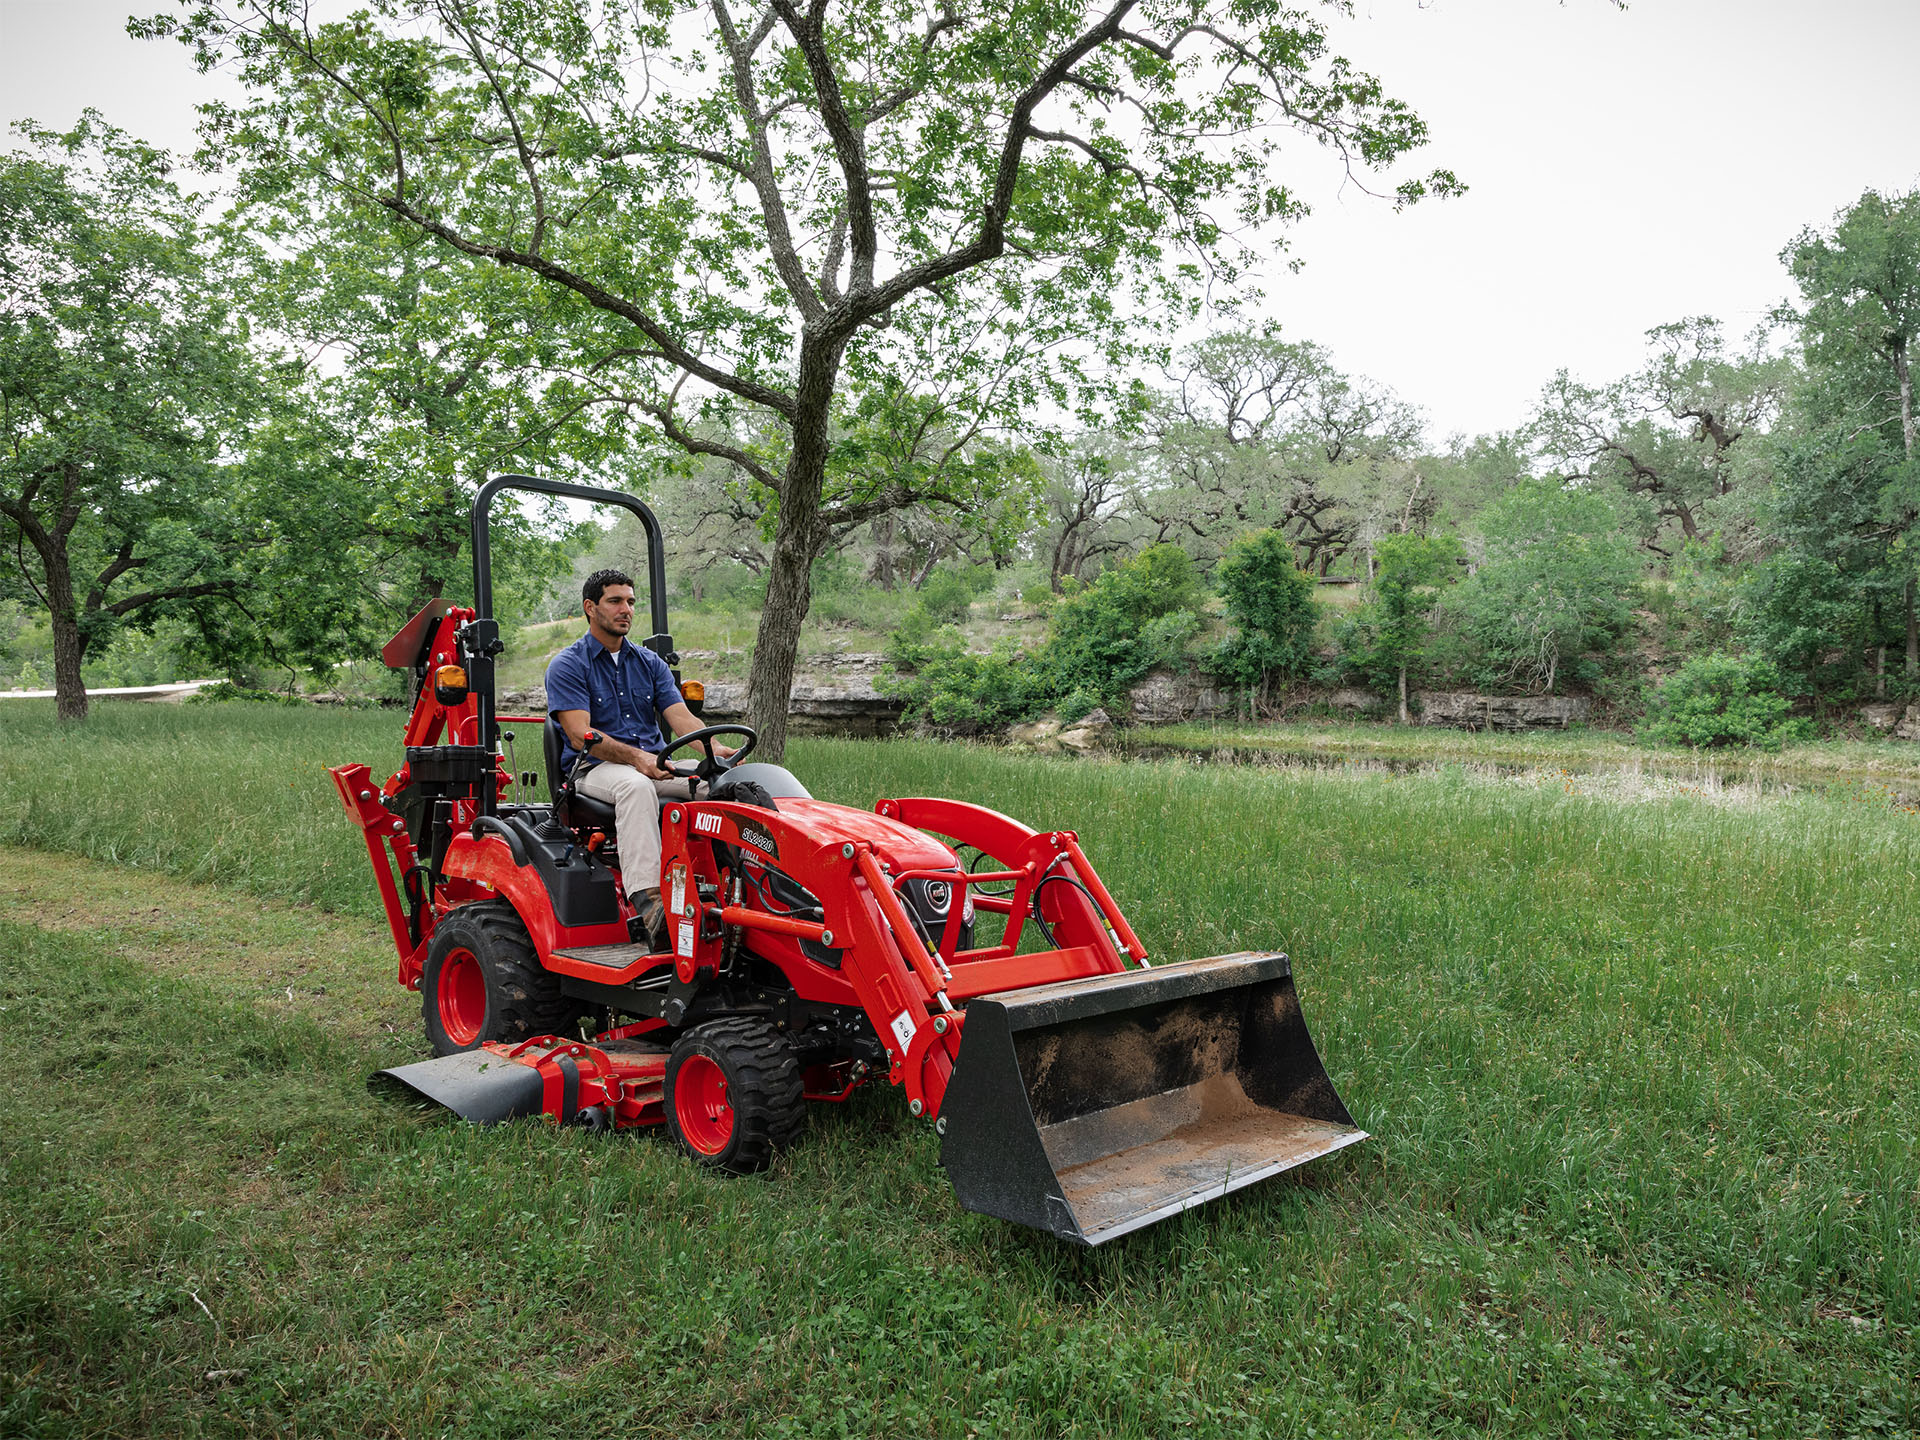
(610, 957)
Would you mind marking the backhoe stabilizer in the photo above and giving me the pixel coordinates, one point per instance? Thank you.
(1094, 1107)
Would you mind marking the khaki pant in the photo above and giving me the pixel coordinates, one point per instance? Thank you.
(636, 817)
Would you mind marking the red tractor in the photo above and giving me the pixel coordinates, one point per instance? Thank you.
(815, 948)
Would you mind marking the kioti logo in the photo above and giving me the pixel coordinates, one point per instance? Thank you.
(706, 824)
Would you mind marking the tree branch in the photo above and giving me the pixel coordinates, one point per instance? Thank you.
(675, 353)
(773, 208)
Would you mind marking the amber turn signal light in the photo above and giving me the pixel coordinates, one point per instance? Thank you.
(450, 684)
(692, 691)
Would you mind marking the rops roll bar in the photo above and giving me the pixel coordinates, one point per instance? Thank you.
(482, 637)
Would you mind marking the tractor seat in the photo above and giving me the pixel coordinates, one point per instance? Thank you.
(570, 808)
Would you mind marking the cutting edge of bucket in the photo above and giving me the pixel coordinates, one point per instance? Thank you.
(1205, 1194)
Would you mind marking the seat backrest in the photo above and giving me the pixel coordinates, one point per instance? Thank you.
(554, 742)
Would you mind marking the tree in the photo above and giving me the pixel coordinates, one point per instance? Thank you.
(1136, 615)
(1679, 436)
(1265, 432)
(1270, 603)
(784, 213)
(126, 382)
(1555, 588)
(1388, 639)
(1860, 327)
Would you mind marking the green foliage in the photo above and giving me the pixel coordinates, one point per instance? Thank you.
(1386, 640)
(946, 599)
(1136, 616)
(1723, 700)
(949, 592)
(126, 385)
(956, 691)
(1799, 608)
(1554, 596)
(1270, 602)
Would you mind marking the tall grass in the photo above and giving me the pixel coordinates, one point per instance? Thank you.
(1641, 1079)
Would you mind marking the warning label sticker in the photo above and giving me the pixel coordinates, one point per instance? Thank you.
(686, 939)
(904, 1030)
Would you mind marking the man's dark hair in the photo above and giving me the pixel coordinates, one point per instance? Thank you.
(599, 580)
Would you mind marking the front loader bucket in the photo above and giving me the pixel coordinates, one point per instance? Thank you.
(1094, 1107)
(476, 1085)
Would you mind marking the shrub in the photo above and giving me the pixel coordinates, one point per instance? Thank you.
(1553, 600)
(1270, 603)
(1723, 700)
(963, 693)
(1135, 616)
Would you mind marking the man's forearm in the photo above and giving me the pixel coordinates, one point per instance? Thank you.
(618, 752)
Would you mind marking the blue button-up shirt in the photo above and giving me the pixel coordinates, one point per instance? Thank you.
(623, 698)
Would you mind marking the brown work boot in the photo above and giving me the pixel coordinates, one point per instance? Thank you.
(649, 927)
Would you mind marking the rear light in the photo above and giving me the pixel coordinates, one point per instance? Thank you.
(450, 684)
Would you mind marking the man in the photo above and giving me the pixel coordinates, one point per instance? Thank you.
(623, 692)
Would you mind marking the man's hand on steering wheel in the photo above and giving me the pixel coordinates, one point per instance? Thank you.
(710, 766)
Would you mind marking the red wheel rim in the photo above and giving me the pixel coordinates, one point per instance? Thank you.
(700, 1104)
(462, 996)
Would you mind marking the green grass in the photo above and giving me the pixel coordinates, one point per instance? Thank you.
(1822, 761)
(1641, 1078)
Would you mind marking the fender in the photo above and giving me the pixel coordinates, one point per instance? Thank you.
(488, 862)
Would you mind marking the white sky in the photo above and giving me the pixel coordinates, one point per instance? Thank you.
(1627, 168)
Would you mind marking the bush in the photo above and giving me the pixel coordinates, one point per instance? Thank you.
(1135, 616)
(1270, 602)
(1723, 700)
(224, 690)
(959, 692)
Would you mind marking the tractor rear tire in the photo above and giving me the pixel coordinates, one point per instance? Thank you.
(483, 981)
(734, 1095)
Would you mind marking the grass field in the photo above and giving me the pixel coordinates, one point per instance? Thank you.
(1892, 762)
(1641, 1077)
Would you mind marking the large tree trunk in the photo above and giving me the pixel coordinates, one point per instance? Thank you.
(69, 644)
(796, 545)
(1903, 374)
(797, 542)
(1405, 717)
(1913, 634)
(884, 530)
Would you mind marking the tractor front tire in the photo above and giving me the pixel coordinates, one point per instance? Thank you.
(483, 981)
(734, 1095)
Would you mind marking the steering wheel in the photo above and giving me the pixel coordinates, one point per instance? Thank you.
(713, 766)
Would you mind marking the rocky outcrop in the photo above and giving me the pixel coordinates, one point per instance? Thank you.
(834, 695)
(1088, 733)
(1361, 702)
(1050, 736)
(1463, 710)
(1164, 698)
(1036, 733)
(1909, 726)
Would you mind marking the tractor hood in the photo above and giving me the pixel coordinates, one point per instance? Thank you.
(901, 846)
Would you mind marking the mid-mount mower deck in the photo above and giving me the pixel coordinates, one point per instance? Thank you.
(815, 948)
